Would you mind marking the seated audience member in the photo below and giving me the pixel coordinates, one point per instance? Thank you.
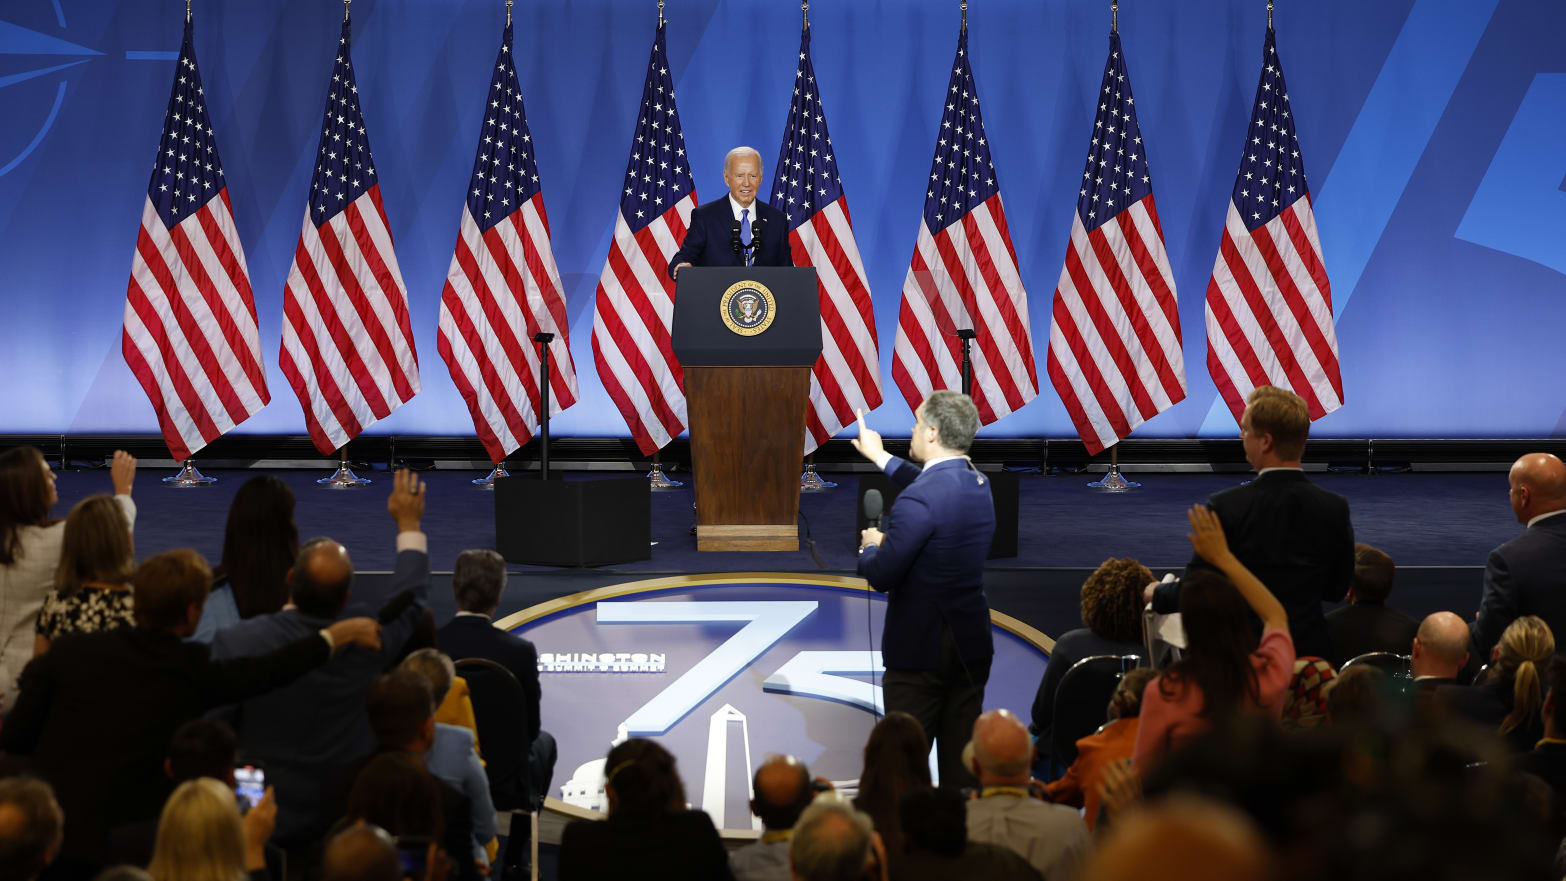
(1367, 623)
(1547, 759)
(92, 590)
(202, 837)
(897, 762)
(1182, 839)
(308, 733)
(124, 873)
(31, 827)
(260, 543)
(1527, 575)
(362, 852)
(1437, 656)
(1510, 695)
(97, 712)
(1112, 610)
(451, 757)
(396, 793)
(1051, 837)
(1078, 788)
(457, 710)
(30, 550)
(834, 842)
(479, 579)
(650, 833)
(938, 849)
(1305, 705)
(1357, 696)
(1225, 670)
(783, 788)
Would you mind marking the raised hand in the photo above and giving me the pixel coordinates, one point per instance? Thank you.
(406, 503)
(868, 443)
(258, 824)
(1207, 536)
(122, 472)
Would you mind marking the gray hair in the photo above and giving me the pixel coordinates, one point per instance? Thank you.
(954, 417)
(831, 841)
(739, 151)
(478, 578)
(435, 666)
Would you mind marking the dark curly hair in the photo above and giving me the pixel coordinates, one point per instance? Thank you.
(1112, 599)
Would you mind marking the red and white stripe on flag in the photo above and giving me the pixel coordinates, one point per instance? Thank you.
(965, 276)
(847, 376)
(347, 344)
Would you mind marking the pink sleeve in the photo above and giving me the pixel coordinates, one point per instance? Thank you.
(1152, 728)
(1274, 663)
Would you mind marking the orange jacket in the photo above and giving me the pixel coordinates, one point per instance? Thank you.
(1079, 787)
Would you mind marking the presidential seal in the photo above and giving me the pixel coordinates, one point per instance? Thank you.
(748, 308)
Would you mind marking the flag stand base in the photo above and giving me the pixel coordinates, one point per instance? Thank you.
(1113, 482)
(657, 481)
(488, 482)
(188, 477)
(811, 482)
(343, 477)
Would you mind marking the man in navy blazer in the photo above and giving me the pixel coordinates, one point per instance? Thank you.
(307, 733)
(763, 230)
(929, 560)
(1527, 575)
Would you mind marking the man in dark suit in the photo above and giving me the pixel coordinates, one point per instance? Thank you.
(1527, 575)
(1367, 624)
(304, 733)
(762, 230)
(930, 561)
(1295, 536)
(478, 579)
(1437, 656)
(1548, 758)
(97, 711)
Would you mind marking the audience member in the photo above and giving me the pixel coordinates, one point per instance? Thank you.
(31, 828)
(307, 733)
(1295, 536)
(650, 833)
(835, 842)
(96, 712)
(260, 542)
(1357, 696)
(478, 579)
(1527, 575)
(123, 873)
(397, 793)
(1437, 657)
(897, 762)
(1547, 759)
(938, 849)
(451, 757)
(1305, 703)
(202, 837)
(1182, 839)
(1367, 624)
(1112, 611)
(1225, 669)
(1114, 742)
(1051, 837)
(1509, 696)
(362, 852)
(782, 788)
(30, 550)
(92, 590)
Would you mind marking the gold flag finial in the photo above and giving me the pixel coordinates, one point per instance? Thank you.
(1269, 15)
(1114, 15)
(660, 13)
(965, 14)
(345, 9)
(187, 10)
(508, 13)
(804, 8)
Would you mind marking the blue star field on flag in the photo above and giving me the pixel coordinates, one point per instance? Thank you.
(659, 173)
(805, 178)
(1272, 173)
(505, 173)
(1116, 176)
(187, 173)
(344, 169)
(962, 175)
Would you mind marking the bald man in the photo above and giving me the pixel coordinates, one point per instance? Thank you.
(363, 853)
(783, 791)
(1052, 838)
(738, 229)
(1527, 575)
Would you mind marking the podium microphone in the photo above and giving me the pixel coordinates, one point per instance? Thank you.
(734, 241)
(872, 508)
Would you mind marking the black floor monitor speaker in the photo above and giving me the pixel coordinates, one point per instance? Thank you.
(1003, 490)
(573, 522)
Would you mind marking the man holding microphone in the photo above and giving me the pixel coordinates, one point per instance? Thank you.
(929, 560)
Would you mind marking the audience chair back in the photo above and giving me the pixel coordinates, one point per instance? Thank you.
(501, 712)
(1390, 663)
(1082, 701)
(1163, 637)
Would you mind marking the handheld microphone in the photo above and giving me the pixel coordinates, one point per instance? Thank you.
(872, 506)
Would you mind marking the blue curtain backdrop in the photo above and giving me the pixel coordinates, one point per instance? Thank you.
(1434, 133)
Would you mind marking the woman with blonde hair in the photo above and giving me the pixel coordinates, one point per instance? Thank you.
(92, 585)
(1509, 697)
(202, 837)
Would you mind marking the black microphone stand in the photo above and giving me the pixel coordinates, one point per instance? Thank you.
(967, 335)
(543, 339)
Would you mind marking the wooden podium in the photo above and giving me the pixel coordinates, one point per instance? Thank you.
(746, 339)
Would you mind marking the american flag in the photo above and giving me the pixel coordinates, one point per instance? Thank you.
(1114, 335)
(503, 286)
(635, 306)
(1269, 305)
(964, 272)
(806, 187)
(347, 347)
(190, 320)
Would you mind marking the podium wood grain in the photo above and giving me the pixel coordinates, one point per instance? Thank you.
(747, 438)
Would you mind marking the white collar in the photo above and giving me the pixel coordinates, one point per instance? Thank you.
(736, 207)
(938, 460)
(1279, 468)
(1546, 515)
(472, 615)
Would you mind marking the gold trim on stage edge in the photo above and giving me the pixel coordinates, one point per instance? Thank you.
(756, 287)
(1015, 627)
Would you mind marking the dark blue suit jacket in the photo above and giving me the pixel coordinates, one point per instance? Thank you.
(1525, 576)
(932, 564)
(709, 240)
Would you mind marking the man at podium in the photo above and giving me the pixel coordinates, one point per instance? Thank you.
(738, 229)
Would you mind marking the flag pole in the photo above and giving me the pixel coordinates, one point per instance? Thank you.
(660, 24)
(1113, 482)
(656, 479)
(1114, 15)
(804, 8)
(187, 10)
(188, 476)
(508, 13)
(965, 15)
(1269, 15)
